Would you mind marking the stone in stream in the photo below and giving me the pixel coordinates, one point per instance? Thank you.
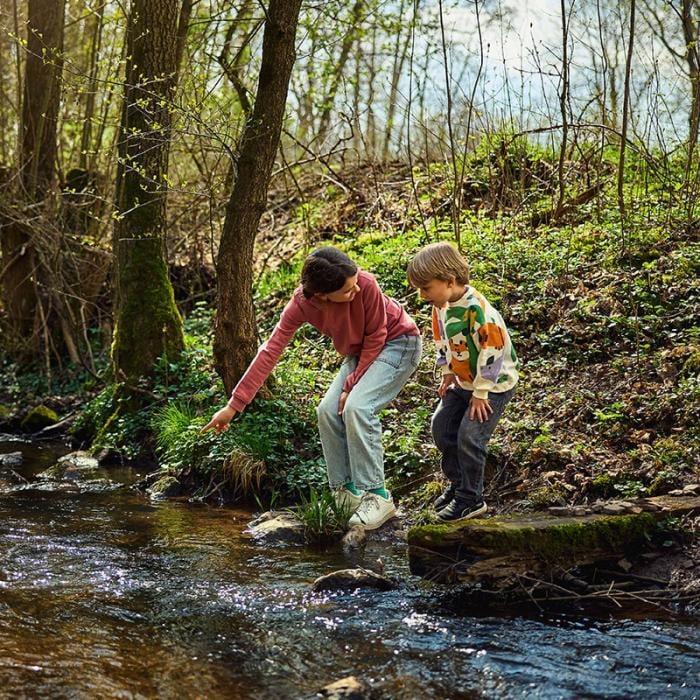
(8, 476)
(165, 487)
(75, 466)
(11, 460)
(277, 526)
(350, 579)
(349, 688)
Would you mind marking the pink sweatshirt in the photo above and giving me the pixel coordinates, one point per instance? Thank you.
(360, 327)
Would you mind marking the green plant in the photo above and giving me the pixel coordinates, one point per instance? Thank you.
(322, 517)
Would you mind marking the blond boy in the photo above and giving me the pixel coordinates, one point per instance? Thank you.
(479, 373)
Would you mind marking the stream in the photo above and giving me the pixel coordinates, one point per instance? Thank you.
(104, 594)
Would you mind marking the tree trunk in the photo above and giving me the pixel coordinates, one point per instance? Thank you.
(235, 337)
(625, 120)
(346, 45)
(148, 324)
(37, 161)
(495, 549)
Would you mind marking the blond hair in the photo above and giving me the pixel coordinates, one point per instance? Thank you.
(438, 261)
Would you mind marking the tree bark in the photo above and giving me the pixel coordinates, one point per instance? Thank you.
(625, 119)
(356, 16)
(235, 334)
(148, 324)
(37, 165)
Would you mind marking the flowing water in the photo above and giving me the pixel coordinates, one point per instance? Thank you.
(106, 595)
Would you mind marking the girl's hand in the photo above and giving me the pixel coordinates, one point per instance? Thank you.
(479, 409)
(341, 403)
(220, 421)
(448, 380)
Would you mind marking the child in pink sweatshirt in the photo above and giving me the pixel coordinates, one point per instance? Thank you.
(382, 347)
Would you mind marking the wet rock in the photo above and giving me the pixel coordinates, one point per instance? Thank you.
(75, 466)
(79, 460)
(281, 527)
(559, 510)
(350, 579)
(647, 506)
(349, 688)
(676, 492)
(9, 478)
(355, 537)
(11, 459)
(165, 487)
(614, 509)
(39, 417)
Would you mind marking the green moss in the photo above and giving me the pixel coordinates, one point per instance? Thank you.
(544, 538)
(427, 534)
(547, 496)
(148, 324)
(165, 487)
(39, 417)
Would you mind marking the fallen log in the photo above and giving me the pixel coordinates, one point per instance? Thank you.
(494, 550)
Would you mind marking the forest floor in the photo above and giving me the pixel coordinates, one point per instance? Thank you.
(605, 319)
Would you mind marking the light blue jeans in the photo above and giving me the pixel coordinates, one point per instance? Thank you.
(352, 443)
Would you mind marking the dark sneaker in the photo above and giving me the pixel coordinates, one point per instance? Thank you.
(461, 510)
(444, 498)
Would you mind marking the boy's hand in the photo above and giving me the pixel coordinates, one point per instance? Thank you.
(220, 421)
(479, 409)
(341, 403)
(448, 380)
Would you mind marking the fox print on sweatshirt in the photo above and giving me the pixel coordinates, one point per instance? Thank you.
(473, 343)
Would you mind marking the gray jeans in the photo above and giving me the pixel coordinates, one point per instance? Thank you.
(352, 443)
(463, 441)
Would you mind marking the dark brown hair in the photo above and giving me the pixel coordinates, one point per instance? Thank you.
(325, 271)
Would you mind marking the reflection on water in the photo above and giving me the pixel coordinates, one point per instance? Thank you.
(103, 594)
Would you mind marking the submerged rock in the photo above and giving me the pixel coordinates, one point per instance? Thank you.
(11, 460)
(277, 527)
(349, 688)
(350, 579)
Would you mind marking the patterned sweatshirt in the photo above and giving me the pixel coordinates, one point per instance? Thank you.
(473, 343)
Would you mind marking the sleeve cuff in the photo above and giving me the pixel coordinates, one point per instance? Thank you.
(482, 394)
(236, 404)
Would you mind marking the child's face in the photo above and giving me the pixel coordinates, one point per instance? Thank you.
(439, 292)
(346, 293)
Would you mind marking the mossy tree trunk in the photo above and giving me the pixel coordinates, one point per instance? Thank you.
(147, 322)
(37, 169)
(235, 338)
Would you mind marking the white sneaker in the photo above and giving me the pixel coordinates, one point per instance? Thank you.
(373, 511)
(346, 499)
